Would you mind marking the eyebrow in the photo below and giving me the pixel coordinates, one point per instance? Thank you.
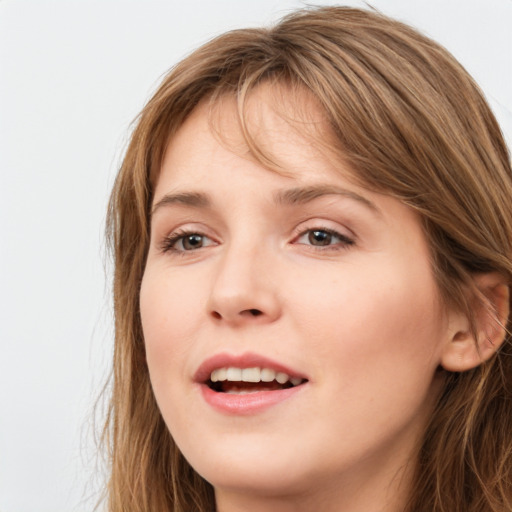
(303, 195)
(293, 196)
(195, 199)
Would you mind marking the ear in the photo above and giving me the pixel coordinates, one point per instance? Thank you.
(490, 310)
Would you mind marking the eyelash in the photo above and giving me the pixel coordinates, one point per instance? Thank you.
(344, 241)
(169, 241)
(168, 244)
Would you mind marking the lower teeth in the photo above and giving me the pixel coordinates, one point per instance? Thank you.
(241, 392)
(239, 388)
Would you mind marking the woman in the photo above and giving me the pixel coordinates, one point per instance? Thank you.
(312, 234)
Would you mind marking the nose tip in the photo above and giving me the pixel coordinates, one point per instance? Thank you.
(242, 293)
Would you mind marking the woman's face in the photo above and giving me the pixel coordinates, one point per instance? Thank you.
(308, 300)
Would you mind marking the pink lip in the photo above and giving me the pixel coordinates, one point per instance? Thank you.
(251, 402)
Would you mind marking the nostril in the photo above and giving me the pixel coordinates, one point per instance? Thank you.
(244, 313)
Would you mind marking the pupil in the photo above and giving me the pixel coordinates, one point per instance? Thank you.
(192, 241)
(320, 238)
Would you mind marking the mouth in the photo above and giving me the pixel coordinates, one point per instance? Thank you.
(247, 384)
(243, 381)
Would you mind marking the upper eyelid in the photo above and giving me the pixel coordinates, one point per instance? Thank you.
(184, 232)
(187, 227)
(344, 239)
(323, 228)
(324, 224)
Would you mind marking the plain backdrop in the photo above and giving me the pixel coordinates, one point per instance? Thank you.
(73, 75)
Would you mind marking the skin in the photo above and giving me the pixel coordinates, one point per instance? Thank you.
(361, 319)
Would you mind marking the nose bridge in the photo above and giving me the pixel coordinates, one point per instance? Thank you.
(243, 289)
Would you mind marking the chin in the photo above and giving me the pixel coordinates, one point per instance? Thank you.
(251, 467)
(263, 480)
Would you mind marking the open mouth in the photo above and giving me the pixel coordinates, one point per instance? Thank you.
(241, 381)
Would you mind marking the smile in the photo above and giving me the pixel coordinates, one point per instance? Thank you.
(250, 380)
(247, 383)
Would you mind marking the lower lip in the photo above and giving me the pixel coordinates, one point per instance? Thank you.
(250, 403)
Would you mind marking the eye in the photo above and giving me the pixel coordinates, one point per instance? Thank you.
(322, 237)
(182, 241)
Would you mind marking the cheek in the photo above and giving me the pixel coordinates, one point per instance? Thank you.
(170, 301)
(169, 315)
(374, 346)
(168, 311)
(374, 320)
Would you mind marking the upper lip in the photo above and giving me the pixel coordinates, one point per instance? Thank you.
(246, 360)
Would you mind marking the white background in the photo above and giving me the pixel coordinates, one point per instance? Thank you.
(73, 74)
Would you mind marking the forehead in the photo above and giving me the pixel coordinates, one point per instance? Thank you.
(280, 128)
(276, 151)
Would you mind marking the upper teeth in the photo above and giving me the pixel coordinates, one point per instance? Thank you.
(252, 375)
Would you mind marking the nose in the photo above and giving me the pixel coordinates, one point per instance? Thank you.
(243, 289)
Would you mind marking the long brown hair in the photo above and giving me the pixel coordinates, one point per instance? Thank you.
(410, 122)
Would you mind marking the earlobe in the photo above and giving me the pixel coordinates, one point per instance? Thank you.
(491, 309)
